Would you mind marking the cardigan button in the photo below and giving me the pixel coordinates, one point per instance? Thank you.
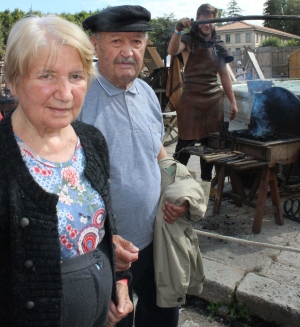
(179, 299)
(28, 264)
(97, 254)
(108, 181)
(24, 222)
(29, 305)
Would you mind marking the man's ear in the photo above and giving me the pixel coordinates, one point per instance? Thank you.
(94, 43)
(93, 40)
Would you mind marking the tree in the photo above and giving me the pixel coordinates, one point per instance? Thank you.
(1, 43)
(233, 10)
(292, 8)
(274, 7)
(283, 7)
(163, 30)
(221, 13)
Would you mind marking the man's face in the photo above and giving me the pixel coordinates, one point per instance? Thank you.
(205, 30)
(120, 55)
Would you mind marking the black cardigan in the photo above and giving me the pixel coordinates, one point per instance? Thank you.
(23, 202)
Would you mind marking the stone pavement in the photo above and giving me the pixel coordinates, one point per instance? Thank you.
(265, 280)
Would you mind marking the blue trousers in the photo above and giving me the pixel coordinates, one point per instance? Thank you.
(147, 313)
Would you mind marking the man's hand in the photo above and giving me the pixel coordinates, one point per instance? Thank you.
(233, 111)
(126, 253)
(172, 212)
(183, 23)
(124, 307)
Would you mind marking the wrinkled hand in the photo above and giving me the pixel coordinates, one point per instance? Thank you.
(233, 111)
(126, 253)
(172, 212)
(124, 307)
(183, 23)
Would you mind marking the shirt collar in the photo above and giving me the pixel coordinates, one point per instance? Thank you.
(111, 89)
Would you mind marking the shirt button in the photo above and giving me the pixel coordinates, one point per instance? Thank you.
(97, 254)
(28, 264)
(24, 222)
(179, 299)
(29, 305)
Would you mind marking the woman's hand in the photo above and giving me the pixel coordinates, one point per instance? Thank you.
(124, 307)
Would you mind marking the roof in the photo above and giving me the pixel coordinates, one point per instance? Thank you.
(244, 26)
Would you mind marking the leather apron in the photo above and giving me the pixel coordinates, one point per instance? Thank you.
(200, 107)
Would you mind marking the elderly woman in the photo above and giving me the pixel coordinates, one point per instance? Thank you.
(56, 225)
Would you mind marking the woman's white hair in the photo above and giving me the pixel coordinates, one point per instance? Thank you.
(32, 32)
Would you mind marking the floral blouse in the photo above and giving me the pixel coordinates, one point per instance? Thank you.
(80, 209)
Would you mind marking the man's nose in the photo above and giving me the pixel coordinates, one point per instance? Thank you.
(126, 50)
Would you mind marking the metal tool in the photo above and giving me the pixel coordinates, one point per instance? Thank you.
(230, 159)
(251, 17)
(240, 160)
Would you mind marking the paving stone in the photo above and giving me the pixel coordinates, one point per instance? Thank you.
(270, 299)
(284, 273)
(220, 280)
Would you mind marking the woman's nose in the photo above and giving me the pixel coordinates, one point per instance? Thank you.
(64, 90)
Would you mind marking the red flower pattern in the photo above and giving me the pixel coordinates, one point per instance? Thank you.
(71, 175)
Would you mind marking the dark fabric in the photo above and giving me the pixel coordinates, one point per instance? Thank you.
(87, 285)
(200, 107)
(193, 40)
(28, 231)
(147, 313)
(183, 157)
(119, 19)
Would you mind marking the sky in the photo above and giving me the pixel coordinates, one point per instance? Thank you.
(158, 8)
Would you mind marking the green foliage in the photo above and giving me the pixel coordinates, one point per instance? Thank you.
(292, 8)
(236, 311)
(163, 30)
(214, 307)
(274, 7)
(79, 17)
(7, 19)
(1, 43)
(275, 42)
(283, 7)
(271, 42)
(221, 14)
(291, 43)
(233, 10)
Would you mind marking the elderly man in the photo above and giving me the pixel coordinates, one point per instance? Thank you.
(200, 107)
(127, 112)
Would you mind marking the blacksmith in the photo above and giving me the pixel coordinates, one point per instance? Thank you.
(200, 107)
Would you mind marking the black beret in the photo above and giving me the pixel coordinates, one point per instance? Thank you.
(119, 19)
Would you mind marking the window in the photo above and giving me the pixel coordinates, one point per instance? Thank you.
(248, 37)
(237, 49)
(237, 38)
(227, 38)
(257, 38)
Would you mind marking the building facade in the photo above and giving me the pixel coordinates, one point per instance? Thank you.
(239, 34)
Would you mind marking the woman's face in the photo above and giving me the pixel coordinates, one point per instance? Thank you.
(52, 93)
